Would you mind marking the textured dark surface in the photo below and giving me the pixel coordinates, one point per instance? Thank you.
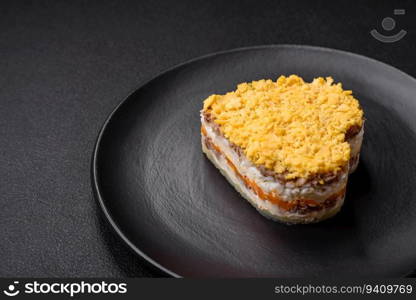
(172, 204)
(66, 65)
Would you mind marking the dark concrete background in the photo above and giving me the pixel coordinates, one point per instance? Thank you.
(66, 64)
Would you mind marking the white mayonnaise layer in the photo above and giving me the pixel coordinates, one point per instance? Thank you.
(356, 141)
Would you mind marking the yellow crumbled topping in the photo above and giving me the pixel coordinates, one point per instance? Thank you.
(288, 125)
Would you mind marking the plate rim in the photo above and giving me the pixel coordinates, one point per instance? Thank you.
(94, 172)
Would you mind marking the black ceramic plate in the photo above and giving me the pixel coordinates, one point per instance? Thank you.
(167, 201)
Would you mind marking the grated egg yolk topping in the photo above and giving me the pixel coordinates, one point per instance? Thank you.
(288, 125)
